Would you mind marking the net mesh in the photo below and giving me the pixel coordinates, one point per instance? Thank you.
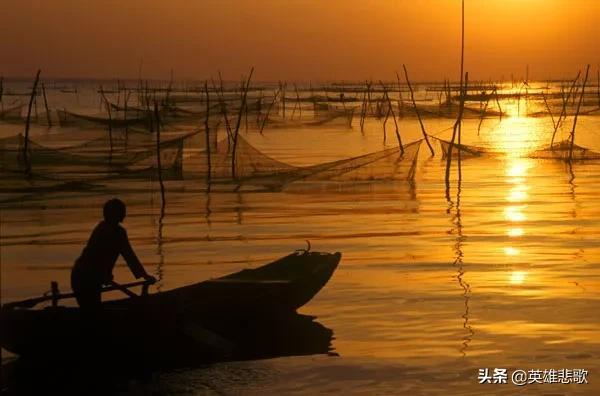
(562, 151)
(254, 167)
(118, 119)
(120, 152)
(462, 149)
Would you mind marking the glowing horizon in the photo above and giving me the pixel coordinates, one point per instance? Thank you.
(299, 39)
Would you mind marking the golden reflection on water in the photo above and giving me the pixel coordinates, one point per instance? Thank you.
(517, 277)
(511, 251)
(515, 232)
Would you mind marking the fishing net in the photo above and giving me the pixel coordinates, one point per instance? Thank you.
(115, 152)
(334, 118)
(563, 151)
(451, 110)
(385, 165)
(254, 167)
(117, 119)
(462, 149)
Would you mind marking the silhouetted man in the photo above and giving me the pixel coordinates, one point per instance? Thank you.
(95, 265)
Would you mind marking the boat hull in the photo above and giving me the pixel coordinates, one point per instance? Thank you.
(192, 319)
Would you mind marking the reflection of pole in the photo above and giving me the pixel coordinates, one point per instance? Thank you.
(158, 159)
(572, 186)
(458, 262)
(159, 242)
(207, 209)
(0, 271)
(239, 208)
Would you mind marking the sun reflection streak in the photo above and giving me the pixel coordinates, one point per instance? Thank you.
(517, 194)
(515, 214)
(515, 232)
(517, 277)
(511, 251)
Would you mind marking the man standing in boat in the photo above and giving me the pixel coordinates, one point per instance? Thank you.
(95, 265)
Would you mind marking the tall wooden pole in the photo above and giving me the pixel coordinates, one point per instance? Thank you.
(237, 128)
(412, 96)
(208, 147)
(572, 140)
(46, 105)
(28, 121)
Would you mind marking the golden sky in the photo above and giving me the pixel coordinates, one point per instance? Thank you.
(297, 39)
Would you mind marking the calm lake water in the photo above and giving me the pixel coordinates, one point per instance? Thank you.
(505, 274)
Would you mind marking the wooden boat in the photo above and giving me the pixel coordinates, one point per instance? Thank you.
(12, 113)
(67, 118)
(198, 318)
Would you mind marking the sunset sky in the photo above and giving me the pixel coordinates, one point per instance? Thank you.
(298, 39)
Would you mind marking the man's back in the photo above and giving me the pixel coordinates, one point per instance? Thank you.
(106, 243)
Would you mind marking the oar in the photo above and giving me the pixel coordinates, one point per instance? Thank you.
(122, 288)
(30, 303)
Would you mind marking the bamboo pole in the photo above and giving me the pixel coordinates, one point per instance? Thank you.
(597, 87)
(282, 87)
(572, 142)
(28, 122)
(237, 128)
(455, 131)
(206, 127)
(563, 112)
(482, 116)
(46, 106)
(400, 99)
(457, 124)
(223, 106)
(107, 105)
(412, 97)
(264, 121)
(387, 115)
(126, 95)
(390, 109)
(549, 110)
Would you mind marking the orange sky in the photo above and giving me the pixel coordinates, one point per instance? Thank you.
(297, 39)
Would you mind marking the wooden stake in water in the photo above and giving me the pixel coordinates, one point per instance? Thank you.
(391, 110)
(458, 122)
(400, 99)
(563, 112)
(549, 111)
(46, 105)
(264, 121)
(572, 141)
(107, 106)
(237, 127)
(208, 147)
(597, 88)
(28, 121)
(412, 97)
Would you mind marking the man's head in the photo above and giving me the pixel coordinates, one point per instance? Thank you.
(114, 211)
